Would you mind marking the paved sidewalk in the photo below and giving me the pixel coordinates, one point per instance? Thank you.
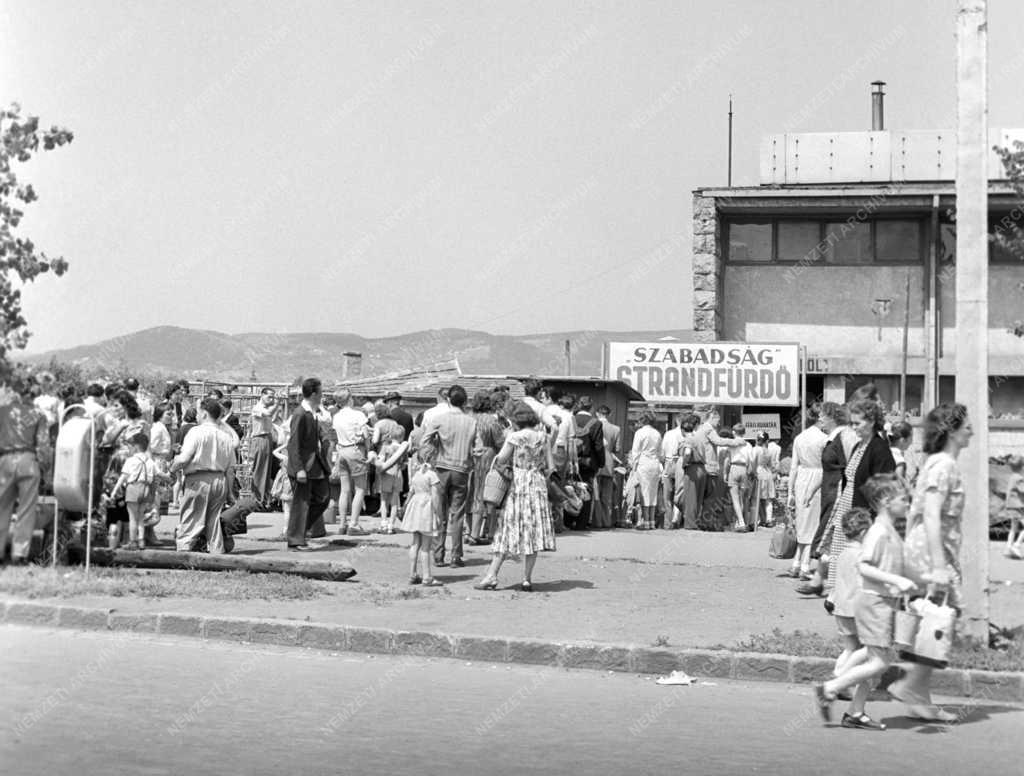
(675, 588)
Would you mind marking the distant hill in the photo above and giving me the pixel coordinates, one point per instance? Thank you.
(195, 353)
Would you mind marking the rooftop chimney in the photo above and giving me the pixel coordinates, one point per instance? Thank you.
(877, 106)
(352, 366)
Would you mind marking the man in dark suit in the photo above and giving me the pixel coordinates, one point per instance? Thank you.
(307, 469)
(591, 455)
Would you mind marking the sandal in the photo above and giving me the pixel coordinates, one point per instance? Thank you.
(486, 584)
(861, 721)
(415, 579)
(431, 582)
(526, 587)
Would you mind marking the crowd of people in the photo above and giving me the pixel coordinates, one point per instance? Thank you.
(875, 526)
(881, 529)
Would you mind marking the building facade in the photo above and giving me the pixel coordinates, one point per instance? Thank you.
(848, 247)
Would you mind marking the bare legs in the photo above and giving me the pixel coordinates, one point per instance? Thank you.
(421, 556)
(529, 561)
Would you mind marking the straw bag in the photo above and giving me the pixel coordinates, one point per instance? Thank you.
(495, 487)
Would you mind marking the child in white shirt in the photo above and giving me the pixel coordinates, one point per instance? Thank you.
(138, 481)
(882, 583)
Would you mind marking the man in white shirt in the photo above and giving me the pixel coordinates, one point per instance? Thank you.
(560, 419)
(670, 444)
(265, 413)
(533, 389)
(351, 467)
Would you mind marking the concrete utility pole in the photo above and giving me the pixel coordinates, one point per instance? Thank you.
(972, 300)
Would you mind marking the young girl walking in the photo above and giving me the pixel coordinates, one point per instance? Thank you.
(882, 583)
(422, 519)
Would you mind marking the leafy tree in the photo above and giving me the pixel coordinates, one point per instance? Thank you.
(1008, 233)
(20, 261)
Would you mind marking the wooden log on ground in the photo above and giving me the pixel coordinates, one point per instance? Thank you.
(201, 561)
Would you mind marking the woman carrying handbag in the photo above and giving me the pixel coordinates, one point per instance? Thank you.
(933, 539)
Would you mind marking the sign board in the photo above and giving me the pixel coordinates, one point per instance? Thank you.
(769, 422)
(708, 372)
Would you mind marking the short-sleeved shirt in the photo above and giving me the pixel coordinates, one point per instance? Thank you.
(848, 580)
(263, 420)
(139, 468)
(351, 426)
(206, 448)
(159, 440)
(882, 549)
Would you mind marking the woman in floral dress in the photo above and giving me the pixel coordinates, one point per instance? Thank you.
(525, 526)
(931, 552)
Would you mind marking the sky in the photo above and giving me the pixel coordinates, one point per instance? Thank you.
(385, 167)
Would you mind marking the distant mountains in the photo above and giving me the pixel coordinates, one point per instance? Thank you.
(192, 353)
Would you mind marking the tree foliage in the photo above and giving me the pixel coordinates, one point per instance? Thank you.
(1008, 233)
(20, 261)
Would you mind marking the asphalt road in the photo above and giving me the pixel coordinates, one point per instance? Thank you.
(100, 703)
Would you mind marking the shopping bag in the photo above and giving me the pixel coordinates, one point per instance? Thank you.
(934, 638)
(906, 626)
(495, 487)
(783, 544)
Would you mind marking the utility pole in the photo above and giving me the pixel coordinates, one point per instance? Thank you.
(568, 358)
(729, 178)
(972, 301)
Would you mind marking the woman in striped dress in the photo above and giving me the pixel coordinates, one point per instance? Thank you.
(870, 456)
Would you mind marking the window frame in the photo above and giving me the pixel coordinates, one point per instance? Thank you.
(822, 221)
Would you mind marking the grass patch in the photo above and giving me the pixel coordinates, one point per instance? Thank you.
(1009, 656)
(36, 582)
(384, 593)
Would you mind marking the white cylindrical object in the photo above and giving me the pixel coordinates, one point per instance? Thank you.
(72, 467)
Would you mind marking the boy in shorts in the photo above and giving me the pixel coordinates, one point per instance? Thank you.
(882, 583)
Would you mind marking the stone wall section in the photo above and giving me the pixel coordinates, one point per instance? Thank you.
(707, 270)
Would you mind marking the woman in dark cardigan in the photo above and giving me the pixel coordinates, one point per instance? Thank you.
(870, 456)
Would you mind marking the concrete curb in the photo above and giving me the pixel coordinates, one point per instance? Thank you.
(702, 663)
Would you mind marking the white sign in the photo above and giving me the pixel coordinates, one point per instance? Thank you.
(769, 422)
(707, 372)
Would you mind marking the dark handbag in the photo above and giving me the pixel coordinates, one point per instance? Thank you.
(783, 544)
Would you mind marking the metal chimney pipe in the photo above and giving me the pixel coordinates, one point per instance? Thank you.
(877, 106)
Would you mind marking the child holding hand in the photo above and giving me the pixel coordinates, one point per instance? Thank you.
(138, 482)
(422, 519)
(880, 564)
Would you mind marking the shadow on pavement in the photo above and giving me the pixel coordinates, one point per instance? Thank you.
(563, 585)
(967, 713)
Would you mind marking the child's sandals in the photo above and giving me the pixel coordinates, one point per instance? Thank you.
(431, 582)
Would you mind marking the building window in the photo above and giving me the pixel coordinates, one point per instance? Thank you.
(750, 241)
(897, 241)
(798, 240)
(999, 223)
(848, 243)
(834, 241)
